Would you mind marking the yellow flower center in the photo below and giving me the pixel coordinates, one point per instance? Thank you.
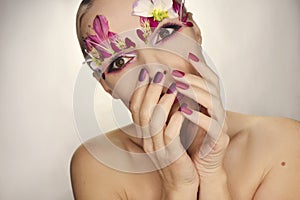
(159, 14)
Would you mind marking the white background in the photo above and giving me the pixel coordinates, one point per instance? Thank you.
(254, 44)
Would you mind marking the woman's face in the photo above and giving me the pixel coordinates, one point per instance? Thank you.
(121, 74)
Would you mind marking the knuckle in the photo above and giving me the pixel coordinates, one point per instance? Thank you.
(134, 108)
(144, 116)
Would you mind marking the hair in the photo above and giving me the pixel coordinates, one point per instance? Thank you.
(83, 7)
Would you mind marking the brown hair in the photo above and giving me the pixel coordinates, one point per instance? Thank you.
(83, 7)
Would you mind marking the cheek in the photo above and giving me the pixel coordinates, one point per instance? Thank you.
(123, 84)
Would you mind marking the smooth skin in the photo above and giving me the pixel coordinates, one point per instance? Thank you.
(255, 157)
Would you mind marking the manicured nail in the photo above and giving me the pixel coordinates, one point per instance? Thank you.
(178, 98)
(142, 75)
(178, 73)
(186, 110)
(172, 88)
(158, 77)
(182, 85)
(183, 105)
(193, 57)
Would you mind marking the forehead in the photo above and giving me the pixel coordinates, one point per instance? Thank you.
(117, 12)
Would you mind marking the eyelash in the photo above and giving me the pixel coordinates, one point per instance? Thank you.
(158, 38)
(112, 67)
(166, 27)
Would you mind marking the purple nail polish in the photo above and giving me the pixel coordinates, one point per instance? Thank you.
(183, 105)
(178, 74)
(158, 77)
(186, 110)
(193, 57)
(172, 88)
(142, 75)
(179, 96)
(182, 85)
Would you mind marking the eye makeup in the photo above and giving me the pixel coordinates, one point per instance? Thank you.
(166, 31)
(119, 62)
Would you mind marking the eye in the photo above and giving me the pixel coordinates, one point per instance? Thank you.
(119, 63)
(166, 31)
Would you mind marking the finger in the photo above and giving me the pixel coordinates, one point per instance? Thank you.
(203, 97)
(202, 68)
(137, 97)
(194, 80)
(151, 98)
(172, 131)
(160, 116)
(210, 125)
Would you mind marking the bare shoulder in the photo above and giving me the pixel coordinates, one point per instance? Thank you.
(280, 144)
(92, 179)
(266, 154)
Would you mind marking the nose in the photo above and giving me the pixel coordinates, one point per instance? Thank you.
(154, 62)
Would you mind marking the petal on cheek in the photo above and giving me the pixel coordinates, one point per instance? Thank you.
(129, 43)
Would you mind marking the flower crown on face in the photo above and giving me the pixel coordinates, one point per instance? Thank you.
(106, 43)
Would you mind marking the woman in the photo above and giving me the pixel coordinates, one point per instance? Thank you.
(230, 156)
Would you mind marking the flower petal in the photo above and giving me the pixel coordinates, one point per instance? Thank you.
(176, 6)
(114, 47)
(153, 23)
(129, 43)
(142, 8)
(100, 26)
(104, 53)
(163, 4)
(140, 34)
(172, 13)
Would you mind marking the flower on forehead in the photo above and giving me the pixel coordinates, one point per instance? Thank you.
(100, 41)
(105, 43)
(154, 10)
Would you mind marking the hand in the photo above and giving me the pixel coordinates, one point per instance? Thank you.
(160, 139)
(209, 154)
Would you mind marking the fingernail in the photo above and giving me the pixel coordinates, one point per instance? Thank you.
(172, 88)
(158, 77)
(178, 73)
(178, 98)
(183, 105)
(193, 57)
(185, 110)
(182, 85)
(142, 75)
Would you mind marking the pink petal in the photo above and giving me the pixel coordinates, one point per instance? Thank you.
(105, 54)
(140, 34)
(176, 6)
(129, 43)
(101, 27)
(111, 34)
(153, 23)
(115, 47)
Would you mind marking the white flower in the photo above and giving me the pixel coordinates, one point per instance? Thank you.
(158, 9)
